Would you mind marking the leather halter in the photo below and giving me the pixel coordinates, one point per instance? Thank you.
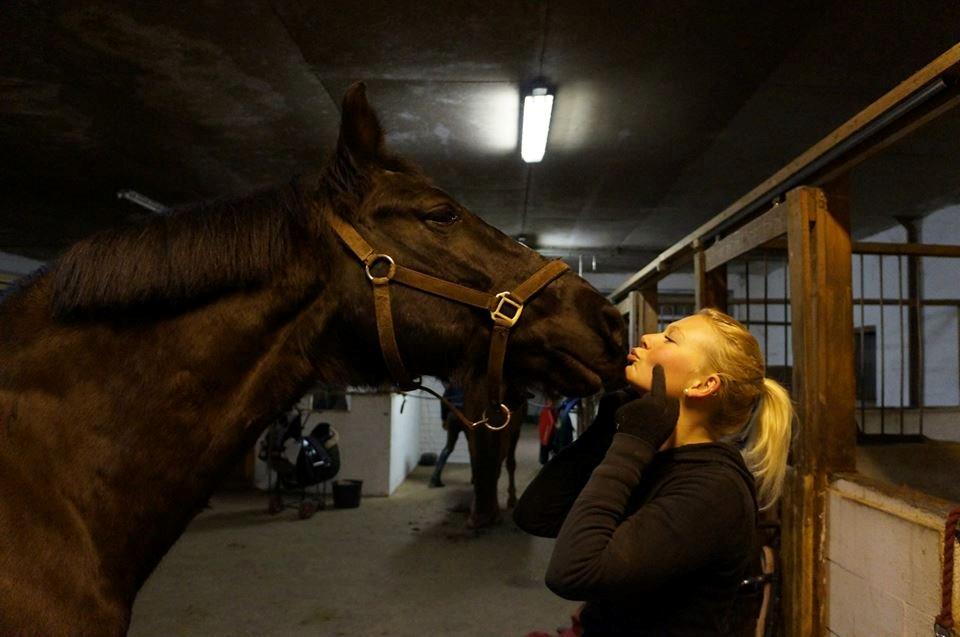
(505, 309)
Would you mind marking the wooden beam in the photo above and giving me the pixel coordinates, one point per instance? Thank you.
(947, 65)
(823, 388)
(762, 230)
(870, 247)
(923, 116)
(653, 271)
(912, 249)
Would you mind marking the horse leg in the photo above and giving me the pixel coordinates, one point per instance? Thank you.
(512, 467)
(486, 509)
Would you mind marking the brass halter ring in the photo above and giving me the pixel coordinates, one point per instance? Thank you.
(507, 414)
(372, 260)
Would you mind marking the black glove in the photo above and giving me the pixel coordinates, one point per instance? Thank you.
(609, 403)
(653, 417)
(593, 444)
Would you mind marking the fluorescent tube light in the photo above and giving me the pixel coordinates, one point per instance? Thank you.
(537, 108)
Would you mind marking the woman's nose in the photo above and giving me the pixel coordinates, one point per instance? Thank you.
(644, 343)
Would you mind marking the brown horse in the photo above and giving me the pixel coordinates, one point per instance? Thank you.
(140, 365)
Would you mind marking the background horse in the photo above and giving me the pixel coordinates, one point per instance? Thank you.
(489, 450)
(139, 367)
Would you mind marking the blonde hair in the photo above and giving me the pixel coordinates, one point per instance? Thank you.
(739, 363)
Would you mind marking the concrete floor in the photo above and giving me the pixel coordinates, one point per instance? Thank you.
(403, 565)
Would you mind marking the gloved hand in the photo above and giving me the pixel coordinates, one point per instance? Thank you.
(653, 417)
(595, 441)
(608, 406)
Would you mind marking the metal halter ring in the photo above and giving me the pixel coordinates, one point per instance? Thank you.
(372, 260)
(507, 414)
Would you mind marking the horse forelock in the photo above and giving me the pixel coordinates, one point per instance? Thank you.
(189, 253)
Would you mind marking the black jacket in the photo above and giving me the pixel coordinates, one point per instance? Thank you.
(656, 543)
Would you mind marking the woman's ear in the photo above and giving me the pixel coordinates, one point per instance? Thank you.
(705, 388)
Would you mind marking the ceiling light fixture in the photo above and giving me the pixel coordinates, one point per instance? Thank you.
(537, 107)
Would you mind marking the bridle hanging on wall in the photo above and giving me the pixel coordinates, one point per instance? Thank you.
(504, 307)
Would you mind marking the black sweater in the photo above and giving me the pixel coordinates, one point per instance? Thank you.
(656, 543)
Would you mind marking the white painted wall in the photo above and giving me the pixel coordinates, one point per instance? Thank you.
(404, 437)
(365, 441)
(884, 557)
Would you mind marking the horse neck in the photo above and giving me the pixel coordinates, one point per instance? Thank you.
(168, 408)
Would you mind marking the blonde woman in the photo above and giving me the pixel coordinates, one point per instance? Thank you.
(654, 508)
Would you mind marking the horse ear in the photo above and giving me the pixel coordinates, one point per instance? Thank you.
(361, 137)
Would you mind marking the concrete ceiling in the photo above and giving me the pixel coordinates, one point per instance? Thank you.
(665, 111)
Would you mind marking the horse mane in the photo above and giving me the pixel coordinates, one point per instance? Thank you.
(198, 251)
(185, 255)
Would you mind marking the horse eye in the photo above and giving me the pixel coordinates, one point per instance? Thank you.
(444, 215)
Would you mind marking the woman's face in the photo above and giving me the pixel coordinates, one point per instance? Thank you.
(679, 349)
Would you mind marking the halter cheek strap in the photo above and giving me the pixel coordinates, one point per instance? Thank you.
(505, 309)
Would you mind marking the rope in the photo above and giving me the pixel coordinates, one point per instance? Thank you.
(945, 618)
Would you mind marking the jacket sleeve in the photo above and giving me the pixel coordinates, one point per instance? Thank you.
(546, 501)
(687, 525)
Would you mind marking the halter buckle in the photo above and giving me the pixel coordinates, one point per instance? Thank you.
(498, 315)
(372, 260)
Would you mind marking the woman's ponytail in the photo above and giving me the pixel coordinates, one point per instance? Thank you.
(768, 442)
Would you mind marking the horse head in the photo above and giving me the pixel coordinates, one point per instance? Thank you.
(569, 337)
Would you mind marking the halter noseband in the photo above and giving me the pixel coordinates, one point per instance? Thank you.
(505, 309)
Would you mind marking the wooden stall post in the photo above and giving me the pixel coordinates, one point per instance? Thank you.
(818, 238)
(711, 285)
(649, 312)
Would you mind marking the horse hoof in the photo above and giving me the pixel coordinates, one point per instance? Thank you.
(306, 510)
(275, 505)
(475, 521)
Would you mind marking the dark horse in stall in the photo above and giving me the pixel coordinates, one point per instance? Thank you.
(138, 367)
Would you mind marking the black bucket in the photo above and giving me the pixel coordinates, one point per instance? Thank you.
(346, 493)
